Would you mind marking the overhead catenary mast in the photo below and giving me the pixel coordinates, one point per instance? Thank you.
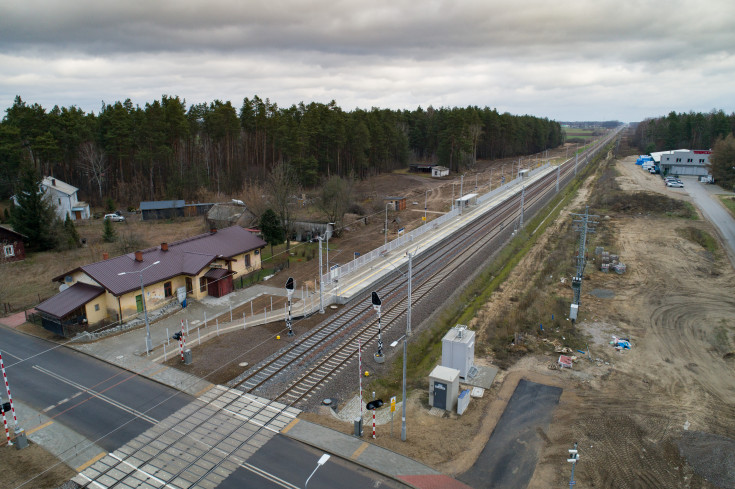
(584, 225)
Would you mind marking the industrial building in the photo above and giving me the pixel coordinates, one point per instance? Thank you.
(683, 162)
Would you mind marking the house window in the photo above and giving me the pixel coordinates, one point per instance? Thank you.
(167, 289)
(689, 160)
(59, 201)
(189, 285)
(202, 284)
(96, 307)
(9, 250)
(247, 260)
(678, 160)
(701, 160)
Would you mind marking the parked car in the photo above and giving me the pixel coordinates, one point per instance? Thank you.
(674, 183)
(115, 217)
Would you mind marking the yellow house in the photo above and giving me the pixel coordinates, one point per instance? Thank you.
(111, 290)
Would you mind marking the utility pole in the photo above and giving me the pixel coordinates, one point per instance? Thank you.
(523, 198)
(584, 224)
(376, 305)
(289, 292)
(573, 458)
(558, 171)
(576, 159)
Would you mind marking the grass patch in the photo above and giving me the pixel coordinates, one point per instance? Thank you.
(729, 202)
(700, 237)
(424, 350)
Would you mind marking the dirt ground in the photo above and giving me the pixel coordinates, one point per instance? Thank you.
(33, 462)
(627, 410)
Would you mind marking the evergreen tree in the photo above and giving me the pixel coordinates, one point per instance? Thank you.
(270, 227)
(722, 162)
(108, 231)
(71, 236)
(33, 214)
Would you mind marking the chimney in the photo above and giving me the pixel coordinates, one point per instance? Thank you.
(53, 182)
(164, 246)
(213, 230)
(138, 256)
(105, 256)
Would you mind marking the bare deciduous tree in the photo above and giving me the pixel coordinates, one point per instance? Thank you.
(283, 186)
(93, 161)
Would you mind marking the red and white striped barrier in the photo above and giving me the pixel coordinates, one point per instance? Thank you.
(7, 431)
(373, 423)
(182, 341)
(7, 388)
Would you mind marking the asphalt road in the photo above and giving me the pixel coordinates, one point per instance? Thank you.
(713, 211)
(286, 463)
(105, 404)
(510, 456)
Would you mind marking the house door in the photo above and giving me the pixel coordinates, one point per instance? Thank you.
(440, 395)
(78, 215)
(139, 302)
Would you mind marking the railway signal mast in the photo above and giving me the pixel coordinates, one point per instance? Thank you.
(289, 291)
(583, 225)
(376, 305)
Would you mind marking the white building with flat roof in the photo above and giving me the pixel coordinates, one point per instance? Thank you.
(685, 162)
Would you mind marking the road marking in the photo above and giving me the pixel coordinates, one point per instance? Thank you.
(99, 396)
(39, 427)
(289, 426)
(268, 476)
(359, 451)
(206, 389)
(90, 462)
(158, 371)
(147, 474)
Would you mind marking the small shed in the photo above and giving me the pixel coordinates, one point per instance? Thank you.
(12, 245)
(161, 209)
(439, 171)
(219, 282)
(420, 167)
(443, 388)
(398, 203)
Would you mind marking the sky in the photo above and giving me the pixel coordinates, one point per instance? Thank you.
(571, 60)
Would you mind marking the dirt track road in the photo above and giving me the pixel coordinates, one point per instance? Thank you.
(713, 210)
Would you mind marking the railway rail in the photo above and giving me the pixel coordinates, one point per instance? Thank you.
(326, 350)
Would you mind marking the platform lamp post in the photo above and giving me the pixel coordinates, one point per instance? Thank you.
(148, 340)
(426, 201)
(376, 305)
(386, 227)
(405, 348)
(321, 279)
(289, 291)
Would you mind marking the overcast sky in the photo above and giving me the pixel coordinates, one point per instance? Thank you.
(568, 60)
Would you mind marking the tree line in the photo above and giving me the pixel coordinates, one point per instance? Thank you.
(167, 150)
(713, 130)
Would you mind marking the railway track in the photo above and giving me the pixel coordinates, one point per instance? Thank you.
(325, 351)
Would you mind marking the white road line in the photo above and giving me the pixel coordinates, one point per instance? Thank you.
(268, 476)
(102, 397)
(150, 476)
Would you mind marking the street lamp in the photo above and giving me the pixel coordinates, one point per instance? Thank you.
(148, 340)
(386, 226)
(322, 460)
(573, 459)
(426, 200)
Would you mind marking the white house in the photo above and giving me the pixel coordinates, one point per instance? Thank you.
(64, 197)
(439, 171)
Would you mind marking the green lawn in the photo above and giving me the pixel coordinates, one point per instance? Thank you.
(729, 202)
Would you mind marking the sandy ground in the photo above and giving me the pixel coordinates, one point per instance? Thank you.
(628, 410)
(33, 462)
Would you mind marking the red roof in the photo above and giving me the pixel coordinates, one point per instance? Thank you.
(67, 300)
(186, 257)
